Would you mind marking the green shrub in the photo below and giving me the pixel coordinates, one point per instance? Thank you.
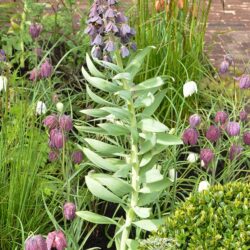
(215, 219)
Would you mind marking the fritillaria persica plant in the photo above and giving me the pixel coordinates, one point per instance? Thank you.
(131, 176)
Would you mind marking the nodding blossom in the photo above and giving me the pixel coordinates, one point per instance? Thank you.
(41, 108)
(235, 151)
(190, 136)
(194, 120)
(203, 185)
(2, 56)
(192, 157)
(233, 128)
(46, 69)
(69, 210)
(243, 116)
(56, 240)
(77, 157)
(224, 67)
(213, 133)
(189, 88)
(34, 74)
(108, 30)
(172, 174)
(244, 81)
(246, 137)
(206, 156)
(65, 123)
(36, 242)
(221, 117)
(3, 83)
(35, 30)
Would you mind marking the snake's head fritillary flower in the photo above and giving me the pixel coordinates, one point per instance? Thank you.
(172, 174)
(206, 156)
(203, 185)
(221, 117)
(35, 30)
(69, 210)
(2, 56)
(3, 83)
(57, 138)
(192, 157)
(190, 136)
(41, 108)
(34, 74)
(35, 242)
(77, 157)
(235, 151)
(56, 240)
(189, 88)
(244, 81)
(53, 156)
(233, 128)
(65, 123)
(246, 137)
(213, 133)
(243, 116)
(46, 69)
(51, 121)
(194, 120)
(224, 67)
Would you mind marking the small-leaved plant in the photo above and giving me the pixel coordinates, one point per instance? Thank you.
(131, 176)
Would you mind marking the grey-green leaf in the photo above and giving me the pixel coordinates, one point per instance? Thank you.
(155, 82)
(92, 69)
(149, 225)
(95, 218)
(152, 125)
(114, 129)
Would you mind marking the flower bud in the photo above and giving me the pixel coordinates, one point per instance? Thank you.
(41, 108)
(221, 117)
(235, 151)
(203, 185)
(189, 88)
(194, 120)
(159, 5)
(60, 107)
(77, 157)
(51, 121)
(213, 133)
(190, 136)
(192, 157)
(206, 156)
(3, 83)
(57, 138)
(246, 138)
(224, 67)
(243, 116)
(56, 240)
(35, 242)
(69, 211)
(35, 30)
(233, 128)
(65, 123)
(46, 69)
(244, 81)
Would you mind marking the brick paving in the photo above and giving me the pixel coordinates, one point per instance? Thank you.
(228, 31)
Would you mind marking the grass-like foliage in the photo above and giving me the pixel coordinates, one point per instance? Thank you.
(217, 218)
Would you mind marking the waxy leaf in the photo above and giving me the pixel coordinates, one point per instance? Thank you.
(114, 129)
(97, 189)
(148, 198)
(94, 112)
(149, 225)
(167, 139)
(156, 186)
(116, 185)
(92, 130)
(92, 69)
(148, 84)
(118, 113)
(142, 212)
(99, 161)
(100, 83)
(95, 218)
(150, 176)
(104, 148)
(152, 125)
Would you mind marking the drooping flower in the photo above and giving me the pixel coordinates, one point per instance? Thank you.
(192, 157)
(233, 128)
(172, 174)
(65, 123)
(194, 120)
(243, 116)
(69, 210)
(221, 117)
(246, 137)
(206, 156)
(41, 108)
(51, 121)
(244, 81)
(235, 151)
(34, 74)
(46, 69)
(203, 185)
(213, 133)
(53, 155)
(56, 240)
(57, 138)
(189, 88)
(3, 83)
(2, 55)
(77, 157)
(224, 67)
(36, 242)
(35, 30)
(124, 51)
(190, 136)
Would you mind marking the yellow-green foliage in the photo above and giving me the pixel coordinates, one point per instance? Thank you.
(215, 219)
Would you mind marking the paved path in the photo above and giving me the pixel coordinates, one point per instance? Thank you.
(229, 31)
